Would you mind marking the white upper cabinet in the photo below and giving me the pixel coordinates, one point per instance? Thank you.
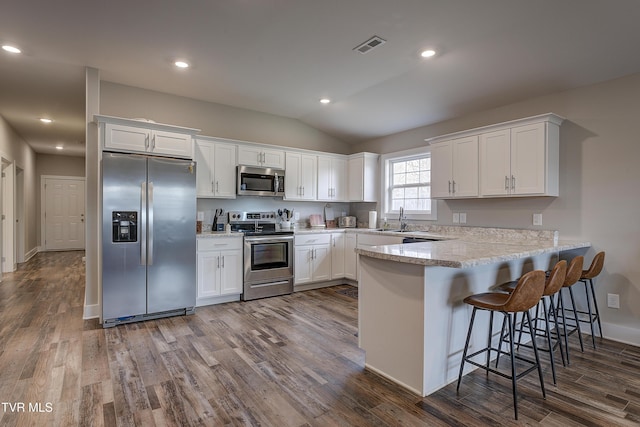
(332, 178)
(521, 161)
(516, 158)
(216, 169)
(454, 168)
(300, 176)
(135, 136)
(255, 155)
(363, 177)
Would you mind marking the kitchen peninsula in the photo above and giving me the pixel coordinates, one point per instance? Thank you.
(412, 321)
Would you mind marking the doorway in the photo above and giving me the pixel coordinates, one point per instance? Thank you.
(62, 218)
(7, 210)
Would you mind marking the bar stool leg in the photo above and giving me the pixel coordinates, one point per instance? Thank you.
(575, 315)
(595, 305)
(548, 331)
(554, 312)
(514, 387)
(592, 317)
(466, 348)
(489, 342)
(535, 352)
(560, 308)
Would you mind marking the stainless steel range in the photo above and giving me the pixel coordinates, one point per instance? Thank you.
(268, 254)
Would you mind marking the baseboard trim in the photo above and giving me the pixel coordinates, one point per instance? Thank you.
(619, 333)
(91, 311)
(33, 252)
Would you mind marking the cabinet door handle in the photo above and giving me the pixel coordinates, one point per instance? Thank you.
(513, 183)
(212, 186)
(146, 142)
(454, 187)
(217, 186)
(506, 182)
(449, 187)
(222, 261)
(153, 142)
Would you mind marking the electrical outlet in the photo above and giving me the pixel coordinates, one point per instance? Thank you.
(537, 219)
(456, 218)
(463, 217)
(613, 300)
(296, 216)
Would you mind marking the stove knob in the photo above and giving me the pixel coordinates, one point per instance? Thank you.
(273, 216)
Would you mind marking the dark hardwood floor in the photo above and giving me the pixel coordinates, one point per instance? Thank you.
(284, 361)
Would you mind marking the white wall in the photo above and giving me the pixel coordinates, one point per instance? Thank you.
(214, 119)
(599, 180)
(15, 149)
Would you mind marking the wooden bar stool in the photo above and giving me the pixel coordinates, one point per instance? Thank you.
(526, 295)
(552, 286)
(574, 272)
(587, 278)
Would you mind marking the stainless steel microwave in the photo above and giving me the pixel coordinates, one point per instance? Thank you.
(257, 181)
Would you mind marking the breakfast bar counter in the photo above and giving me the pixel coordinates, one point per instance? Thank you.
(411, 316)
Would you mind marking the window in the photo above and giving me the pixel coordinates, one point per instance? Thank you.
(407, 184)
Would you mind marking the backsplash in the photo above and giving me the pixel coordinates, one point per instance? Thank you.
(249, 203)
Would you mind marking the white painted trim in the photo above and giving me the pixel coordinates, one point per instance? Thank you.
(200, 302)
(613, 332)
(401, 384)
(33, 252)
(91, 312)
(547, 117)
(384, 182)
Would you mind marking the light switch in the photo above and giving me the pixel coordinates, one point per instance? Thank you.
(456, 218)
(463, 217)
(537, 219)
(613, 300)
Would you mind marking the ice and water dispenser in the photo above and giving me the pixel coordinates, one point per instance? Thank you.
(125, 226)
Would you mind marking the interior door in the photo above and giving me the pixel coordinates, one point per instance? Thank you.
(64, 226)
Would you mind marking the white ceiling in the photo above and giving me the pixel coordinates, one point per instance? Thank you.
(282, 56)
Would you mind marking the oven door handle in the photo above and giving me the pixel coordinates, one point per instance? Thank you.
(267, 239)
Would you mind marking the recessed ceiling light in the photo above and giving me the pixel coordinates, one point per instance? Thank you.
(59, 147)
(44, 120)
(11, 49)
(428, 53)
(325, 101)
(181, 64)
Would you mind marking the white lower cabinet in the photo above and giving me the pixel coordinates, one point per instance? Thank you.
(312, 258)
(350, 256)
(219, 268)
(337, 255)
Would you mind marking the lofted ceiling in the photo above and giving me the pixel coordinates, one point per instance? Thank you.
(282, 56)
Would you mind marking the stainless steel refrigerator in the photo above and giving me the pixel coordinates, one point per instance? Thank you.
(148, 238)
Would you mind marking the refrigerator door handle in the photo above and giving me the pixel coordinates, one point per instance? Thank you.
(143, 224)
(150, 251)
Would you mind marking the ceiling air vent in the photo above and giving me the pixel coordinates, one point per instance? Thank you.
(369, 45)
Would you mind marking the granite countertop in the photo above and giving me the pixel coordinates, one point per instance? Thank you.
(467, 252)
(217, 234)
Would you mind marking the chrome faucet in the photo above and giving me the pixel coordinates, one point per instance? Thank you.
(402, 219)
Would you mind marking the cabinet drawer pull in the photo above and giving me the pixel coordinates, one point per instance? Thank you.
(506, 182)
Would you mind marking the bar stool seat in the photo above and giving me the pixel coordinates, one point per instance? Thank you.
(553, 284)
(526, 295)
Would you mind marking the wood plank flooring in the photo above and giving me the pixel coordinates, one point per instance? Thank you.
(284, 361)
